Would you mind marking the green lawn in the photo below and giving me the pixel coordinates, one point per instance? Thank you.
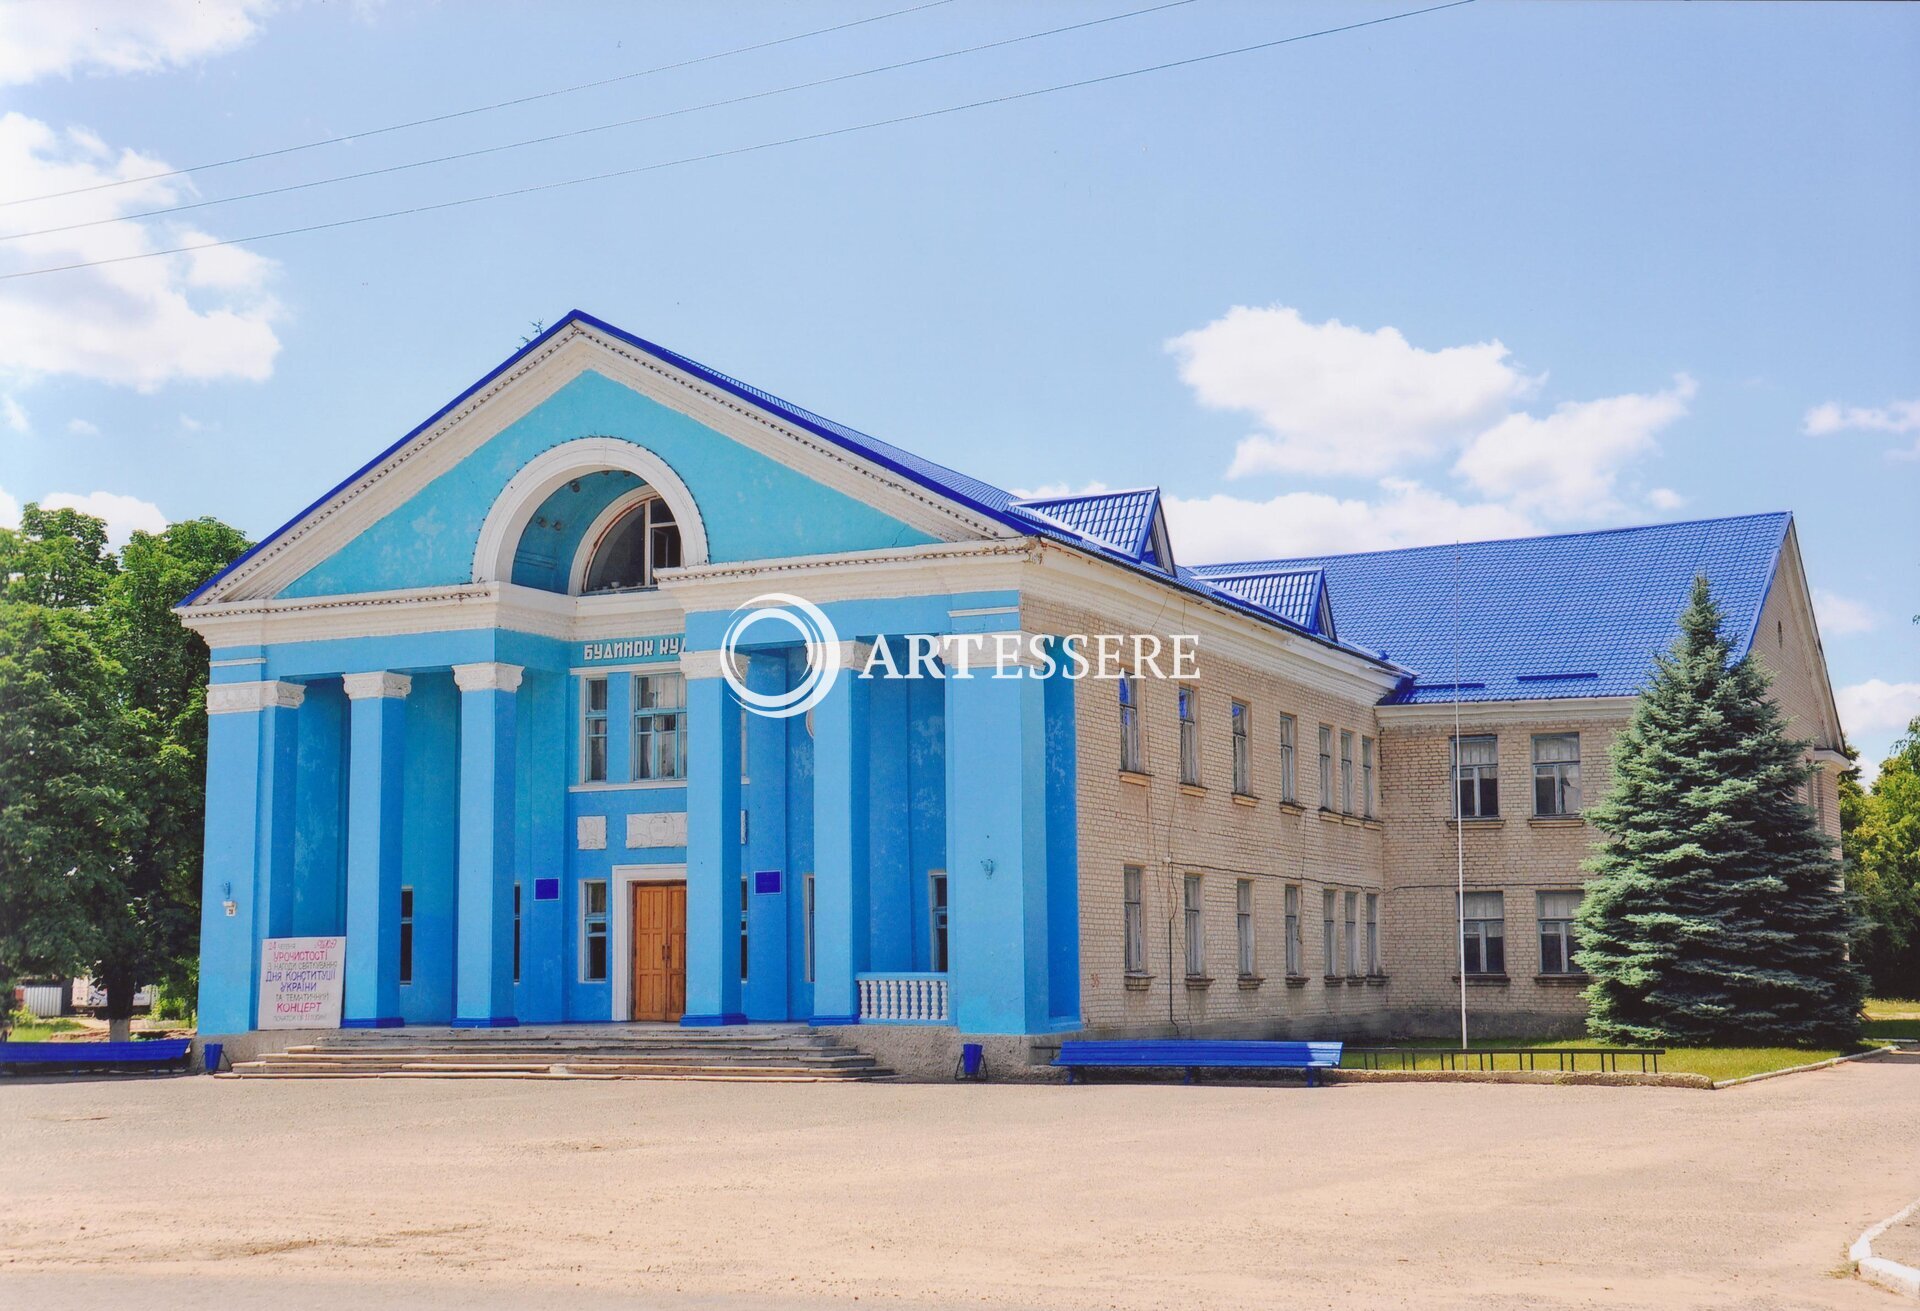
(31, 1028)
(1891, 1017)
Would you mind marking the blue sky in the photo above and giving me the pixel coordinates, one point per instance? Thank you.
(1497, 269)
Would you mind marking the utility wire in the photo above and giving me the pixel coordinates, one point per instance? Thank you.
(480, 109)
(508, 193)
(598, 127)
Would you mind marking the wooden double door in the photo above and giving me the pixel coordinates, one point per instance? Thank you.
(659, 939)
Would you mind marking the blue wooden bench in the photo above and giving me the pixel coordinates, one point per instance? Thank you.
(1192, 1054)
(150, 1054)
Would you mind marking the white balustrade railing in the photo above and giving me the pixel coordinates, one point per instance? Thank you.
(903, 998)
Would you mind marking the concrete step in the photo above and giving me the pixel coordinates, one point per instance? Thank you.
(822, 1060)
(610, 1068)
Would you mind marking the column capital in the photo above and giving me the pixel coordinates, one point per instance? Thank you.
(488, 676)
(706, 664)
(1013, 647)
(381, 683)
(237, 698)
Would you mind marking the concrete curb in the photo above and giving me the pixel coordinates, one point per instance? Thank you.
(1583, 1078)
(1802, 1069)
(1891, 1275)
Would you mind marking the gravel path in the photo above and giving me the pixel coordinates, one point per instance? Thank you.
(483, 1194)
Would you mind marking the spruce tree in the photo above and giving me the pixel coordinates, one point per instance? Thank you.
(1715, 914)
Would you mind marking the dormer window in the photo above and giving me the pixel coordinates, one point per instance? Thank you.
(639, 543)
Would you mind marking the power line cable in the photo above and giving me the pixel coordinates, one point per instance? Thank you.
(480, 109)
(598, 127)
(510, 192)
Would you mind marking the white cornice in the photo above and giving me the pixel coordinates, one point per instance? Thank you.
(940, 568)
(461, 608)
(516, 392)
(1544, 710)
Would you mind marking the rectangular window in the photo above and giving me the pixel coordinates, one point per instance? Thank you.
(1329, 945)
(1287, 792)
(1352, 938)
(659, 726)
(1346, 772)
(1476, 777)
(1243, 925)
(746, 903)
(1366, 777)
(806, 925)
(516, 933)
(1556, 773)
(1242, 761)
(937, 918)
(593, 931)
(1189, 738)
(1483, 928)
(1134, 920)
(1373, 933)
(1557, 943)
(406, 935)
(1292, 945)
(1326, 767)
(593, 733)
(1196, 927)
(1130, 759)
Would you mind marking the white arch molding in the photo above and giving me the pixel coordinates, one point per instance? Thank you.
(551, 470)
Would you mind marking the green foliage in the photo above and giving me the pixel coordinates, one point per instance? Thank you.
(1716, 913)
(1880, 837)
(102, 760)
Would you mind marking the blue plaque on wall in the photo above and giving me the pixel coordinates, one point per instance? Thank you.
(546, 889)
(766, 881)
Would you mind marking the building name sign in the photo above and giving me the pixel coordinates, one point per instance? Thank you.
(300, 982)
(634, 648)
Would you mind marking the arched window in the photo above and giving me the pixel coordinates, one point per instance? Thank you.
(641, 541)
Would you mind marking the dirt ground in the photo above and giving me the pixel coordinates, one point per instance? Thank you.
(491, 1194)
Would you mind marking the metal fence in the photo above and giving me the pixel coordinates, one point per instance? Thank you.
(1564, 1059)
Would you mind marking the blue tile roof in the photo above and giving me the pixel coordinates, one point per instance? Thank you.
(1121, 520)
(1297, 595)
(1576, 615)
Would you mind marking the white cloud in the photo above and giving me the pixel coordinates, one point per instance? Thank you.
(1219, 528)
(1665, 498)
(9, 509)
(1897, 418)
(138, 324)
(13, 416)
(1335, 399)
(81, 428)
(122, 514)
(190, 423)
(1840, 617)
(58, 38)
(1877, 707)
(1048, 491)
(1564, 465)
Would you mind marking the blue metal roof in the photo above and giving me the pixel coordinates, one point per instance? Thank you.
(1576, 615)
(1297, 595)
(1121, 520)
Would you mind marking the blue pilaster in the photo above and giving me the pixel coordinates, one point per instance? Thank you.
(483, 934)
(763, 773)
(842, 915)
(375, 796)
(713, 846)
(251, 761)
(997, 851)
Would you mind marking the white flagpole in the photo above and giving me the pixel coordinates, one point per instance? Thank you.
(1459, 820)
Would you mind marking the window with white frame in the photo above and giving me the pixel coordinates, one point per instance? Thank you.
(1329, 941)
(659, 726)
(593, 730)
(1326, 767)
(806, 926)
(1287, 791)
(1241, 719)
(593, 931)
(1556, 774)
(1196, 927)
(1292, 901)
(1352, 936)
(1373, 933)
(1476, 777)
(1366, 777)
(1130, 758)
(1243, 926)
(1483, 929)
(1346, 772)
(406, 935)
(1189, 737)
(937, 919)
(1134, 918)
(1557, 943)
(641, 541)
